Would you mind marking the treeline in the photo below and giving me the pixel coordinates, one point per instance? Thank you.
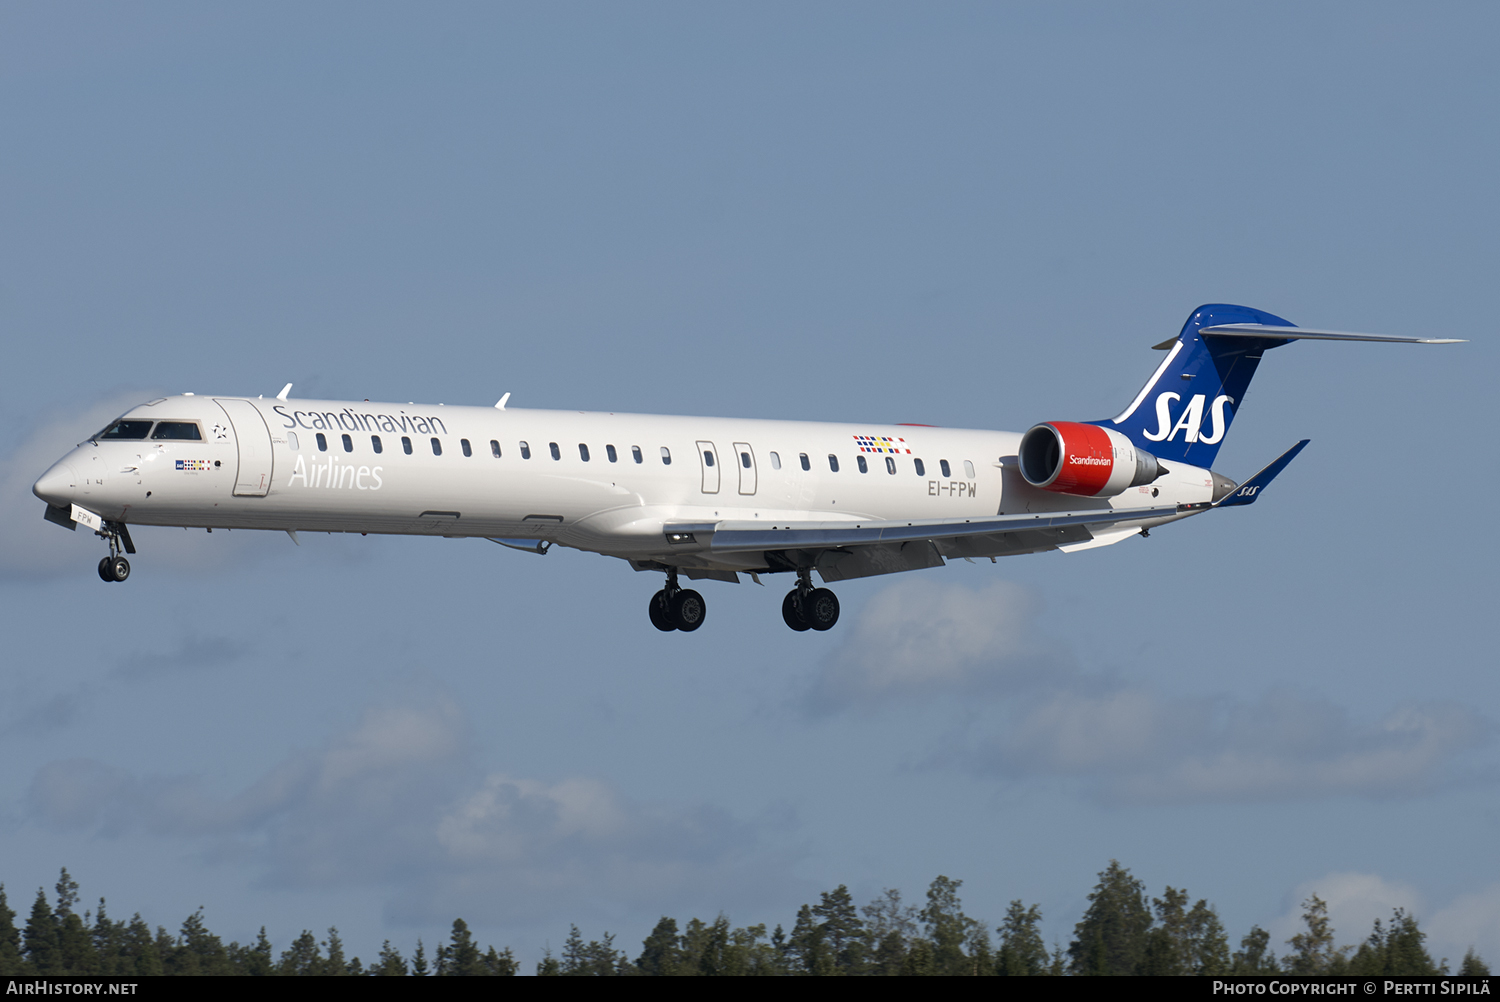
(1123, 932)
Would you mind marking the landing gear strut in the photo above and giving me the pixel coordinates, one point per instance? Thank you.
(115, 567)
(809, 608)
(675, 608)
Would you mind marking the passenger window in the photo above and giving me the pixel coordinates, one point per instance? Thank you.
(583, 452)
(745, 460)
(322, 442)
(556, 452)
(177, 431)
(614, 457)
(525, 451)
(921, 469)
(863, 466)
(437, 447)
(463, 443)
(494, 448)
(775, 461)
(132, 431)
(406, 445)
(348, 443)
(943, 465)
(666, 456)
(635, 453)
(708, 458)
(968, 469)
(806, 463)
(890, 465)
(375, 444)
(291, 440)
(833, 462)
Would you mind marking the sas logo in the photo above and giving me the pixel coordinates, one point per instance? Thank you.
(192, 464)
(1191, 419)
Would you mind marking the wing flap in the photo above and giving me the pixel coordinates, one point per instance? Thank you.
(731, 537)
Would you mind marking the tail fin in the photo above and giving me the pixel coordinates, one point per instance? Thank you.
(1185, 408)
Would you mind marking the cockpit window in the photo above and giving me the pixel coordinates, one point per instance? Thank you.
(177, 431)
(132, 431)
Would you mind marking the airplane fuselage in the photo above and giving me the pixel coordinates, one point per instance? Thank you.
(602, 482)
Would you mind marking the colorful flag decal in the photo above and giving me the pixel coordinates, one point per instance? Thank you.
(881, 443)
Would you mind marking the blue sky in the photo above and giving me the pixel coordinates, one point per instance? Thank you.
(973, 216)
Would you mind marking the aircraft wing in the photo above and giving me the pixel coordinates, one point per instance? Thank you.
(730, 537)
(850, 549)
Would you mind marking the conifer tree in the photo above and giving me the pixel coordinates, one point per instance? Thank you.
(11, 962)
(842, 932)
(660, 952)
(548, 967)
(302, 958)
(502, 964)
(391, 964)
(890, 927)
(463, 954)
(1112, 936)
(1254, 955)
(419, 962)
(947, 927)
(1474, 966)
(41, 937)
(1313, 951)
(335, 965)
(1022, 950)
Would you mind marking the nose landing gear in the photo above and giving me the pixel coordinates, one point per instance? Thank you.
(115, 567)
(675, 608)
(809, 608)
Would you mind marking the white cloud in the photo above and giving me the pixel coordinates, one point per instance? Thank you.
(1123, 743)
(1470, 921)
(915, 640)
(1356, 900)
(397, 803)
(1132, 745)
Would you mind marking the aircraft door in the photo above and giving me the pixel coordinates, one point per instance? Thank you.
(708, 458)
(745, 463)
(253, 439)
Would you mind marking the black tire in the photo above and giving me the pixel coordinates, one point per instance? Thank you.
(688, 610)
(120, 567)
(661, 618)
(792, 614)
(821, 609)
(106, 569)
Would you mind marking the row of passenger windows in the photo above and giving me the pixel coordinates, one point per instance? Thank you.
(635, 453)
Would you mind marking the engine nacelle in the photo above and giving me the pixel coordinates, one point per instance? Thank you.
(1084, 459)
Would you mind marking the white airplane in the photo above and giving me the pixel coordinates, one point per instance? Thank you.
(700, 497)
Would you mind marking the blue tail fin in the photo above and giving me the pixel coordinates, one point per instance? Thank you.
(1185, 408)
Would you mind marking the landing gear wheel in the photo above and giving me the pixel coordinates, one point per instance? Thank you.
(821, 609)
(107, 569)
(661, 616)
(119, 568)
(792, 614)
(688, 610)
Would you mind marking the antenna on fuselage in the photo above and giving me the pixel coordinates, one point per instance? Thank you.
(284, 391)
(500, 404)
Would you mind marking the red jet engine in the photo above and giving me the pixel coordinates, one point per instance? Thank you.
(1084, 459)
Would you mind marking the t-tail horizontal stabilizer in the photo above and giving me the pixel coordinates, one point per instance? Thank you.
(1248, 491)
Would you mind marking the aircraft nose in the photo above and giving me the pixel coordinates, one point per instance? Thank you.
(57, 485)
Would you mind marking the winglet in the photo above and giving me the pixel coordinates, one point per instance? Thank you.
(284, 391)
(1248, 491)
(500, 404)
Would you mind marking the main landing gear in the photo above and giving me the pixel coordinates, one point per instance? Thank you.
(115, 567)
(809, 608)
(675, 608)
